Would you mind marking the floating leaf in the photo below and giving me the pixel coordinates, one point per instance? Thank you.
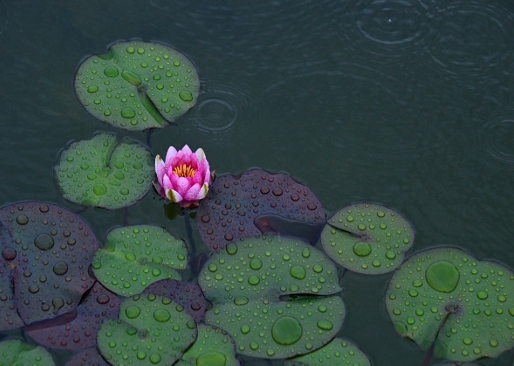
(367, 238)
(134, 257)
(81, 331)
(256, 203)
(137, 85)
(447, 296)
(338, 352)
(187, 294)
(459, 364)
(15, 352)
(151, 330)
(213, 347)
(87, 357)
(103, 173)
(46, 253)
(266, 294)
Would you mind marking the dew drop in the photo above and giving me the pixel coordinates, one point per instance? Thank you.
(286, 330)
(253, 280)
(186, 96)
(155, 358)
(128, 113)
(245, 329)
(325, 325)
(255, 264)
(241, 300)
(132, 312)
(9, 253)
(482, 295)
(99, 189)
(362, 249)
(111, 71)
(211, 359)
(60, 268)
(161, 315)
(33, 289)
(442, 276)
(22, 220)
(298, 272)
(44, 241)
(102, 299)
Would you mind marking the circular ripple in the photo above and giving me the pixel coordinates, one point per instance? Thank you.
(498, 140)
(384, 27)
(470, 39)
(215, 114)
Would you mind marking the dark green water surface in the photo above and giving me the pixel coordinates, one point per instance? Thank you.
(409, 104)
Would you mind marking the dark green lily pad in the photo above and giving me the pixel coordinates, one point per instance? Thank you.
(213, 347)
(46, 253)
(137, 85)
(459, 364)
(151, 330)
(134, 257)
(447, 296)
(367, 238)
(87, 357)
(338, 352)
(104, 173)
(274, 296)
(15, 352)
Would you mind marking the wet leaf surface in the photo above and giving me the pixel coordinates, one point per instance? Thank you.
(87, 357)
(367, 238)
(137, 85)
(187, 294)
(446, 296)
(213, 347)
(274, 296)
(151, 330)
(102, 172)
(337, 352)
(15, 352)
(256, 203)
(46, 253)
(134, 257)
(82, 330)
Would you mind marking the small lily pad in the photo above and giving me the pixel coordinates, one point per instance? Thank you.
(187, 294)
(15, 352)
(87, 357)
(137, 85)
(134, 257)
(102, 172)
(337, 352)
(256, 203)
(274, 296)
(151, 330)
(446, 296)
(367, 238)
(213, 347)
(46, 253)
(81, 331)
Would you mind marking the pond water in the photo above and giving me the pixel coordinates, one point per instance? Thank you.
(409, 104)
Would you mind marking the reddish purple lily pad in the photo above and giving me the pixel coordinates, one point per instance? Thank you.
(81, 331)
(87, 357)
(187, 294)
(256, 203)
(46, 253)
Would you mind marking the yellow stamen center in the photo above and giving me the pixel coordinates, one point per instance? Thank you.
(184, 171)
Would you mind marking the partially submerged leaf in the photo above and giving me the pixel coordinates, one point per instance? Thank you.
(102, 172)
(256, 203)
(274, 296)
(15, 352)
(367, 238)
(337, 352)
(446, 296)
(137, 85)
(46, 253)
(134, 257)
(151, 330)
(87, 357)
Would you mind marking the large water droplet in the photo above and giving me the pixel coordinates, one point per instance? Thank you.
(255, 264)
(442, 276)
(22, 219)
(325, 325)
(9, 254)
(99, 189)
(161, 315)
(132, 312)
(128, 113)
(111, 71)
(211, 359)
(44, 241)
(60, 268)
(186, 96)
(241, 300)
(298, 272)
(362, 249)
(286, 330)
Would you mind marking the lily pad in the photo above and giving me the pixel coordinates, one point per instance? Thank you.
(151, 330)
(187, 294)
(446, 296)
(137, 85)
(46, 253)
(213, 347)
(87, 357)
(274, 296)
(134, 257)
(367, 238)
(81, 331)
(256, 203)
(15, 352)
(338, 352)
(104, 173)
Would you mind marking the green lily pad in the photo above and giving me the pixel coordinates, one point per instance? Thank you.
(15, 352)
(134, 257)
(367, 238)
(459, 364)
(151, 330)
(274, 296)
(338, 352)
(446, 296)
(213, 347)
(103, 173)
(137, 85)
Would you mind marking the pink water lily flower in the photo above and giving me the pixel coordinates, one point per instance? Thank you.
(184, 177)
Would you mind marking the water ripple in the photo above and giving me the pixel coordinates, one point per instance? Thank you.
(497, 140)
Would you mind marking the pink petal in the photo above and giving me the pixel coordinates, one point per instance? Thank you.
(186, 150)
(197, 178)
(166, 183)
(203, 192)
(182, 185)
(174, 196)
(200, 154)
(171, 153)
(160, 171)
(192, 193)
